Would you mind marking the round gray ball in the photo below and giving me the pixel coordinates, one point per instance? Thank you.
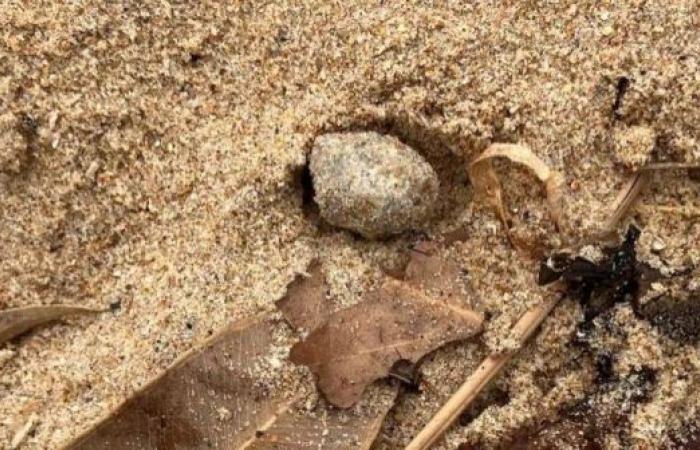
(371, 183)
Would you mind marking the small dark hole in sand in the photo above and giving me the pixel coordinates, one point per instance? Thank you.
(604, 364)
(407, 374)
(623, 84)
(196, 58)
(306, 186)
(495, 396)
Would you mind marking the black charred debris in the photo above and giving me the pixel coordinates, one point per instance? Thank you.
(597, 285)
(618, 278)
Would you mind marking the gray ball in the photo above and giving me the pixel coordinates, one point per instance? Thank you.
(372, 184)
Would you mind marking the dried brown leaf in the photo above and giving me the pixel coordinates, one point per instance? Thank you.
(485, 180)
(426, 269)
(439, 277)
(305, 305)
(360, 344)
(16, 321)
(330, 428)
(207, 399)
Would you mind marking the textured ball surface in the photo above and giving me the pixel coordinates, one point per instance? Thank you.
(372, 184)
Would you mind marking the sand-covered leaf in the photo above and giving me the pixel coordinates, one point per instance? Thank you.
(209, 398)
(484, 178)
(327, 427)
(16, 321)
(305, 305)
(438, 276)
(360, 344)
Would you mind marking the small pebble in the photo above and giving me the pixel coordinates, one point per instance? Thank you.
(6, 355)
(372, 184)
(223, 413)
(657, 245)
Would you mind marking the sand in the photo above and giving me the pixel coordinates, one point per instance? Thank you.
(158, 172)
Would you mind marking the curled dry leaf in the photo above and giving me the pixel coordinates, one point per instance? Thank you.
(16, 321)
(485, 180)
(360, 344)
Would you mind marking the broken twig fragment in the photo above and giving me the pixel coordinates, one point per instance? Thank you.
(481, 377)
(687, 211)
(22, 434)
(670, 166)
(631, 190)
(16, 321)
(624, 201)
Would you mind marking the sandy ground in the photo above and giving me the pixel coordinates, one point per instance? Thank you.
(152, 162)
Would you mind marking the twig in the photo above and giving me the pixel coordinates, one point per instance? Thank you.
(23, 432)
(625, 199)
(685, 211)
(630, 191)
(476, 382)
(670, 166)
